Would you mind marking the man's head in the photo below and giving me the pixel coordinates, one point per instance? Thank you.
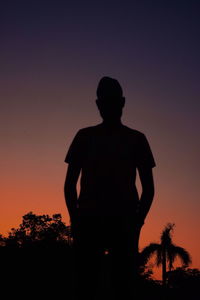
(110, 100)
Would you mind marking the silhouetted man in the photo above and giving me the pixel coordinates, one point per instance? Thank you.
(108, 213)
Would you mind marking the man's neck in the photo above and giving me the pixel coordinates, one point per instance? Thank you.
(112, 123)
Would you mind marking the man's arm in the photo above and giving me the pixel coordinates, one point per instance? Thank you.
(70, 189)
(147, 182)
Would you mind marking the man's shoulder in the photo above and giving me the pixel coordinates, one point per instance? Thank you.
(88, 130)
(133, 132)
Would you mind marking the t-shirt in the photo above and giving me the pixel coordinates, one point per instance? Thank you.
(109, 159)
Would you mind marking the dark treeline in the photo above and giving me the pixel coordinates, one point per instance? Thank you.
(37, 261)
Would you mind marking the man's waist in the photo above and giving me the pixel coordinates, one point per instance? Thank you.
(108, 208)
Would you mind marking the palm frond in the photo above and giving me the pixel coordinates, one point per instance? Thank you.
(166, 238)
(159, 257)
(171, 255)
(148, 251)
(182, 253)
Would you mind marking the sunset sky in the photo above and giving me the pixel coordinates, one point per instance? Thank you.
(53, 53)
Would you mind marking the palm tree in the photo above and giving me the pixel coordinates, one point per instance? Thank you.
(166, 252)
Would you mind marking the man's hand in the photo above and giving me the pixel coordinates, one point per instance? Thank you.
(71, 195)
(146, 178)
(75, 221)
(139, 217)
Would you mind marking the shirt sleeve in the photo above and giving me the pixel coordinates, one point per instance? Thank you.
(76, 149)
(145, 157)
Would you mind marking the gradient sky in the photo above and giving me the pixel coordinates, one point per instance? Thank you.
(53, 53)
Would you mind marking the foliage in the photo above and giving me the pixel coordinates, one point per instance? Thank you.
(39, 229)
(184, 277)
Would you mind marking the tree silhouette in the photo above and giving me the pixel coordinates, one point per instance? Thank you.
(184, 282)
(184, 277)
(37, 253)
(166, 252)
(39, 230)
